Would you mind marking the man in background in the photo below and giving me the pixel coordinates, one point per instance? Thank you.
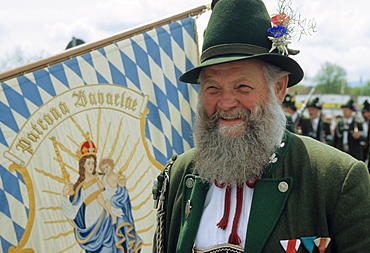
(366, 130)
(301, 124)
(290, 112)
(348, 134)
(320, 128)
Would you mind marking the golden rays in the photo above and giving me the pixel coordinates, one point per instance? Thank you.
(139, 180)
(114, 142)
(101, 150)
(125, 166)
(51, 208)
(59, 235)
(56, 178)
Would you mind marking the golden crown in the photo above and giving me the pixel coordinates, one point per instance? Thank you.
(87, 148)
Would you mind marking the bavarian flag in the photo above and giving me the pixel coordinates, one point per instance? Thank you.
(84, 134)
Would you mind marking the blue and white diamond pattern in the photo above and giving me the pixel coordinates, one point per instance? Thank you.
(149, 63)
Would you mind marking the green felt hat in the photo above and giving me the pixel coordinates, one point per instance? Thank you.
(315, 103)
(289, 101)
(350, 104)
(237, 30)
(366, 107)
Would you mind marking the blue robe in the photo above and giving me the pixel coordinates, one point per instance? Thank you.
(102, 236)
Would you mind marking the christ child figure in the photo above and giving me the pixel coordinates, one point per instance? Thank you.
(111, 181)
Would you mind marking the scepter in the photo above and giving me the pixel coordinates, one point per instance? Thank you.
(65, 174)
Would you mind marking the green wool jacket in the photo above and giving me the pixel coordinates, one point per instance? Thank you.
(328, 195)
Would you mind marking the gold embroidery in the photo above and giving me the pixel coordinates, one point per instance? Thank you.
(92, 197)
(88, 184)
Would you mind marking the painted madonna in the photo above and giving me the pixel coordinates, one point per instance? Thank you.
(101, 217)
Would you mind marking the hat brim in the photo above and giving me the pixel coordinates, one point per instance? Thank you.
(349, 107)
(281, 61)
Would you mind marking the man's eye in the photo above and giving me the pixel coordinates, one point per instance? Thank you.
(212, 89)
(244, 88)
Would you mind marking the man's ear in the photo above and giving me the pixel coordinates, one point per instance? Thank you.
(280, 87)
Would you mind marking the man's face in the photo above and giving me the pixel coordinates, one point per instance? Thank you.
(366, 115)
(347, 112)
(240, 122)
(288, 109)
(313, 112)
(234, 85)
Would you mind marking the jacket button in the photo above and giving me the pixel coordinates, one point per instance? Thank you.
(189, 182)
(283, 186)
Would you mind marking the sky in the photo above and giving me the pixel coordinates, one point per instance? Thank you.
(44, 27)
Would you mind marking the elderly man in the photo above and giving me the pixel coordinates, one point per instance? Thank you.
(250, 185)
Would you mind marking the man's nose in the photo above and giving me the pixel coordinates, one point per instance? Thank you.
(227, 100)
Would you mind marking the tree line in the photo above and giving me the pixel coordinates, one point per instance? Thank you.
(332, 79)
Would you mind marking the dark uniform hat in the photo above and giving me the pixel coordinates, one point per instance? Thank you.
(289, 101)
(350, 104)
(315, 103)
(237, 30)
(366, 107)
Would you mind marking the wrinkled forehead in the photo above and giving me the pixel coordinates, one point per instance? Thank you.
(240, 69)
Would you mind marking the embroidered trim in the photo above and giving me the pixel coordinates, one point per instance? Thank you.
(221, 248)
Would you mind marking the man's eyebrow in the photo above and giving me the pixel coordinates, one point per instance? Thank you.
(248, 79)
(209, 81)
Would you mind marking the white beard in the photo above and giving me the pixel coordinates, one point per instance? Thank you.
(232, 158)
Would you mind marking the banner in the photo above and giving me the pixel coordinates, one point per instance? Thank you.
(82, 140)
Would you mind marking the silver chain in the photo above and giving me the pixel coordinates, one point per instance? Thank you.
(161, 215)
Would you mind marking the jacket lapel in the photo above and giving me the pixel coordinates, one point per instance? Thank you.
(269, 199)
(194, 195)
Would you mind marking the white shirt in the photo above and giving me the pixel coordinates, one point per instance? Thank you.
(294, 117)
(208, 233)
(347, 122)
(315, 123)
(365, 128)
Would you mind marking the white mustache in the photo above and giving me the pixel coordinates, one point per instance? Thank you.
(232, 114)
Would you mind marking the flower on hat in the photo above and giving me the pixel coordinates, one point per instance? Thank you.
(284, 24)
(279, 42)
(278, 31)
(280, 19)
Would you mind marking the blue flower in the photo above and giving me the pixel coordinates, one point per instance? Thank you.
(278, 31)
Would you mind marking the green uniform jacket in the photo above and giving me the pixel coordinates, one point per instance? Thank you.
(328, 195)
